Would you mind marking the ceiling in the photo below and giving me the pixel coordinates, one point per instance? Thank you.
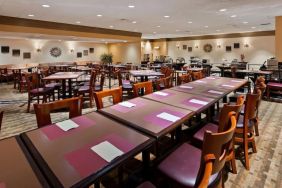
(148, 18)
(32, 36)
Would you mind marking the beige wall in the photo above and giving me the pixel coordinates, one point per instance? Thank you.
(45, 46)
(260, 48)
(126, 52)
(155, 49)
(278, 38)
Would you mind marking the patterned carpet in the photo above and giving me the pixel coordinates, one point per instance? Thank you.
(266, 164)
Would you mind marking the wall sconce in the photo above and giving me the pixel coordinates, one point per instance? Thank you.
(218, 46)
(178, 46)
(196, 46)
(246, 45)
(38, 50)
(156, 47)
(72, 50)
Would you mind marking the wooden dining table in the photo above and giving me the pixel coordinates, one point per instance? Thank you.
(63, 76)
(17, 167)
(66, 158)
(144, 74)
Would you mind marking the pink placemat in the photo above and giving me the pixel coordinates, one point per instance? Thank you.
(86, 162)
(195, 105)
(124, 109)
(156, 96)
(53, 132)
(152, 118)
(2, 185)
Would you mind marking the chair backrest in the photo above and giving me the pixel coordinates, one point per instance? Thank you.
(234, 72)
(197, 75)
(115, 93)
(93, 78)
(168, 72)
(227, 108)
(215, 152)
(185, 78)
(147, 86)
(102, 81)
(119, 77)
(1, 118)
(32, 81)
(251, 107)
(43, 111)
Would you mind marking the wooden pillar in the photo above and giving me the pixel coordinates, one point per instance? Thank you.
(278, 38)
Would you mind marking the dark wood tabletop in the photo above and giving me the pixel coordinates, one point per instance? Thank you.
(67, 158)
(17, 167)
(64, 76)
(182, 99)
(143, 116)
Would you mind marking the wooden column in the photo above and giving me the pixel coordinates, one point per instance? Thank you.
(278, 38)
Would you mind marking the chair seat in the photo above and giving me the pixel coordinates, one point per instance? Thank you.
(183, 165)
(53, 85)
(240, 122)
(146, 184)
(40, 90)
(208, 127)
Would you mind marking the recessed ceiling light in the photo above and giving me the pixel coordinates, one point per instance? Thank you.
(233, 16)
(99, 15)
(111, 26)
(30, 15)
(245, 22)
(167, 16)
(125, 41)
(134, 22)
(158, 26)
(253, 27)
(206, 26)
(190, 22)
(78, 22)
(131, 6)
(217, 30)
(222, 10)
(45, 6)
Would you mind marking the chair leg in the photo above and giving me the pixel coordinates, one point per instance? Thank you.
(256, 127)
(28, 104)
(233, 164)
(254, 146)
(91, 99)
(246, 153)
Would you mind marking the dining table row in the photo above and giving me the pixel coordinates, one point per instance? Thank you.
(79, 151)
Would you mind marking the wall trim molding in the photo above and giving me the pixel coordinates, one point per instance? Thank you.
(219, 36)
(14, 21)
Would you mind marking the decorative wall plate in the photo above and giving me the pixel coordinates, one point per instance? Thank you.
(207, 47)
(55, 52)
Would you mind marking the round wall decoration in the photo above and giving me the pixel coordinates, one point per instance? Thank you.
(207, 47)
(55, 52)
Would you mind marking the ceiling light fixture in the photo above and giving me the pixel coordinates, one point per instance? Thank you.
(253, 27)
(131, 6)
(217, 30)
(190, 22)
(78, 22)
(233, 16)
(125, 41)
(31, 15)
(245, 22)
(166, 16)
(111, 26)
(158, 26)
(45, 6)
(99, 15)
(206, 26)
(222, 10)
(134, 22)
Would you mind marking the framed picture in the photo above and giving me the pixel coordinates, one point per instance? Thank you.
(236, 45)
(5, 49)
(27, 55)
(16, 52)
(228, 49)
(79, 55)
(91, 50)
(85, 52)
(184, 47)
(190, 49)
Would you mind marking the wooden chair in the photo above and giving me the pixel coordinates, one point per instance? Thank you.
(124, 83)
(221, 127)
(245, 126)
(42, 111)
(189, 166)
(197, 75)
(163, 83)
(115, 93)
(1, 118)
(185, 78)
(147, 86)
(35, 91)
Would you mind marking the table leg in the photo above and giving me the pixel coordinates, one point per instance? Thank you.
(70, 88)
(146, 163)
(222, 72)
(110, 78)
(64, 88)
